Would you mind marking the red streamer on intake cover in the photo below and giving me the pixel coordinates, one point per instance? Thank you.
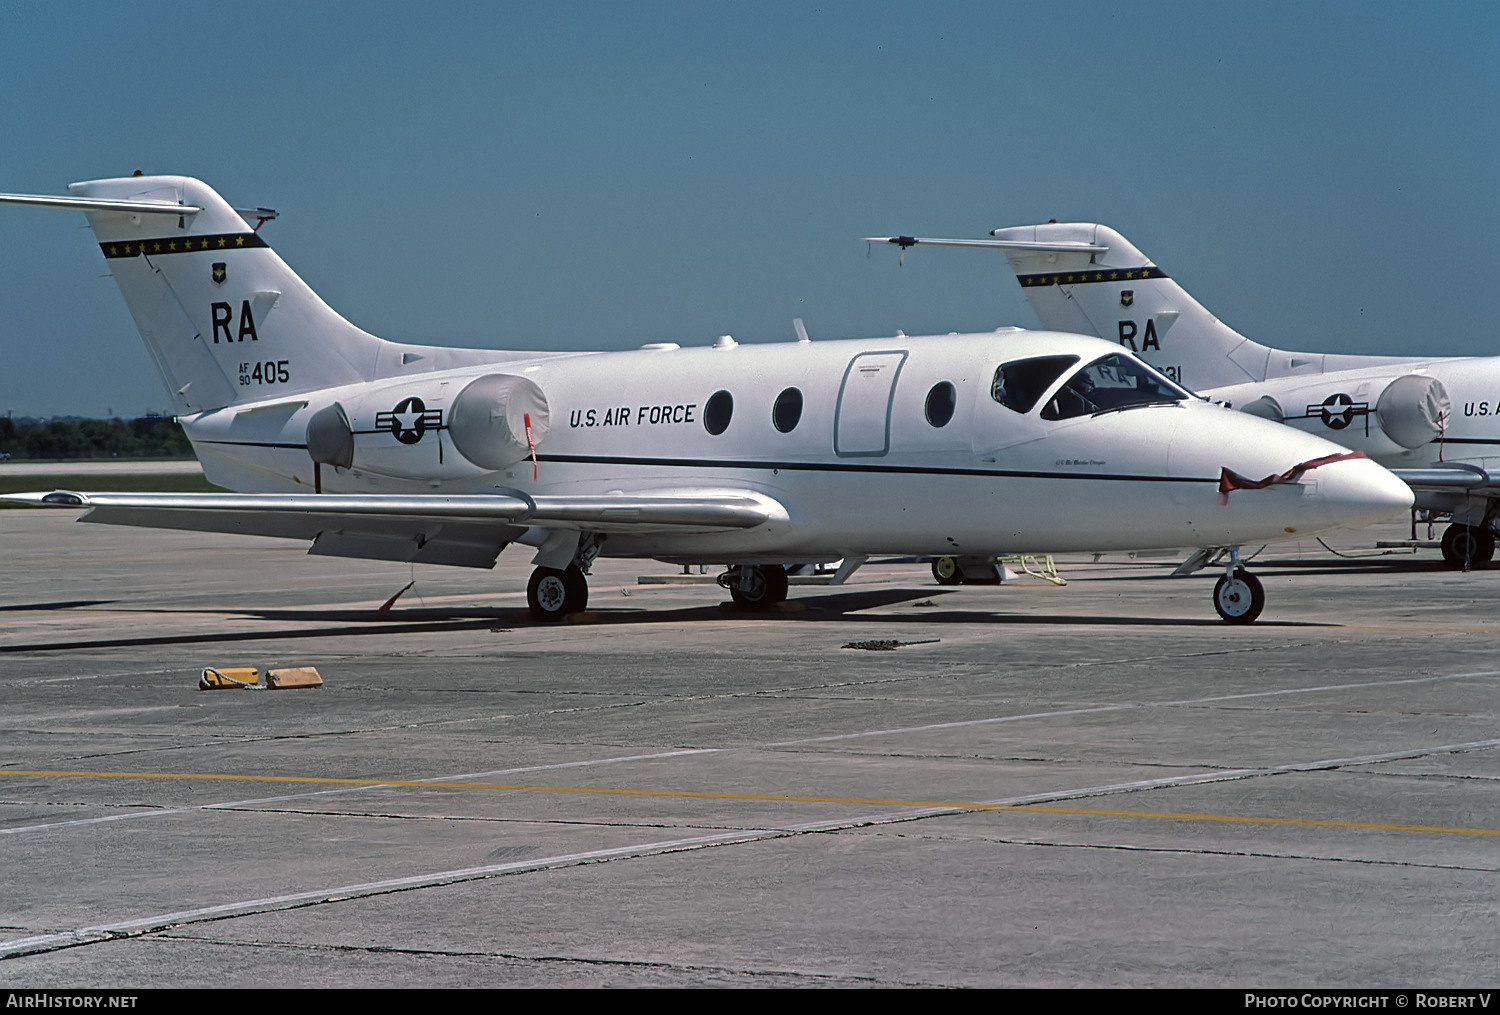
(530, 443)
(1231, 480)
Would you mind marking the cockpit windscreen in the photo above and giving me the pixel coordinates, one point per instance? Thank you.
(1019, 384)
(1112, 383)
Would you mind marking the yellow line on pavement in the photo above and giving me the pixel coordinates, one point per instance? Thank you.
(770, 797)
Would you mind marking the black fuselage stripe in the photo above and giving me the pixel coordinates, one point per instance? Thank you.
(256, 444)
(1092, 276)
(214, 243)
(748, 464)
(905, 470)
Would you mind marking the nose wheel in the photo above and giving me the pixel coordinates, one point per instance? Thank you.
(1238, 597)
(553, 594)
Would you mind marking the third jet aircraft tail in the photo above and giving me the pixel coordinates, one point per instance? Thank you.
(1088, 278)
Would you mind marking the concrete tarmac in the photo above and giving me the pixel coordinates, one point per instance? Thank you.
(1092, 785)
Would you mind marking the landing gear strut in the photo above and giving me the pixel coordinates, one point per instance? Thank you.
(1238, 595)
(757, 587)
(1467, 546)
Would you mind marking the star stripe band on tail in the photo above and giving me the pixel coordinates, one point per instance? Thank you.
(181, 245)
(1091, 276)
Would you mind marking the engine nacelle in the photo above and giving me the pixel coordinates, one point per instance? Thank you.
(1413, 410)
(1408, 413)
(498, 419)
(431, 429)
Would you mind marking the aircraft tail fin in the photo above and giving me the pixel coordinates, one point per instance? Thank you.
(224, 318)
(1088, 278)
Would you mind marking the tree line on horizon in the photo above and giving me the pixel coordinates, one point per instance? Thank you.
(72, 437)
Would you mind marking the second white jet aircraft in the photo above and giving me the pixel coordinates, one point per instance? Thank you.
(757, 457)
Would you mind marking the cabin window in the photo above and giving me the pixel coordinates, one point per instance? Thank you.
(717, 412)
(1020, 384)
(787, 412)
(941, 401)
(1109, 384)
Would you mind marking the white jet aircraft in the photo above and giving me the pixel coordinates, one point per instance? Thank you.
(1399, 410)
(758, 457)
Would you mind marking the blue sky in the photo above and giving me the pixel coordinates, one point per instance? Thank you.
(580, 175)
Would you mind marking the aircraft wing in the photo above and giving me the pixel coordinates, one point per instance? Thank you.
(1456, 478)
(468, 530)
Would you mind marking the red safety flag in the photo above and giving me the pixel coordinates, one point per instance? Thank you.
(530, 443)
(1231, 480)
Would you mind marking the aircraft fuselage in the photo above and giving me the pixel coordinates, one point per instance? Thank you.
(860, 466)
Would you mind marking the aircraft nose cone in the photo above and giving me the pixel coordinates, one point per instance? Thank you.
(1360, 492)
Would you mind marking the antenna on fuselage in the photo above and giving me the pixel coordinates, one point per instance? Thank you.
(801, 330)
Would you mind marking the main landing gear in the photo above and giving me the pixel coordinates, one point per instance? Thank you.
(755, 587)
(1238, 595)
(553, 594)
(947, 571)
(970, 570)
(1468, 546)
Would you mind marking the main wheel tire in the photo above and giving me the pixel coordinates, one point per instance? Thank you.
(768, 587)
(1239, 599)
(552, 594)
(945, 571)
(1484, 549)
(1467, 546)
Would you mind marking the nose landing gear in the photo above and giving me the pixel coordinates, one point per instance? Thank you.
(1238, 595)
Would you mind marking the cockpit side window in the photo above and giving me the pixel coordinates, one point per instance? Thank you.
(1114, 382)
(1019, 384)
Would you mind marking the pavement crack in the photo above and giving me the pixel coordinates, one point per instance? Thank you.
(700, 826)
(1192, 851)
(791, 975)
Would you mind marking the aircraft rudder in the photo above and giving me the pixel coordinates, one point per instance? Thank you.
(226, 320)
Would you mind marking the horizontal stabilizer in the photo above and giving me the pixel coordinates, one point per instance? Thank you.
(1061, 247)
(257, 215)
(102, 204)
